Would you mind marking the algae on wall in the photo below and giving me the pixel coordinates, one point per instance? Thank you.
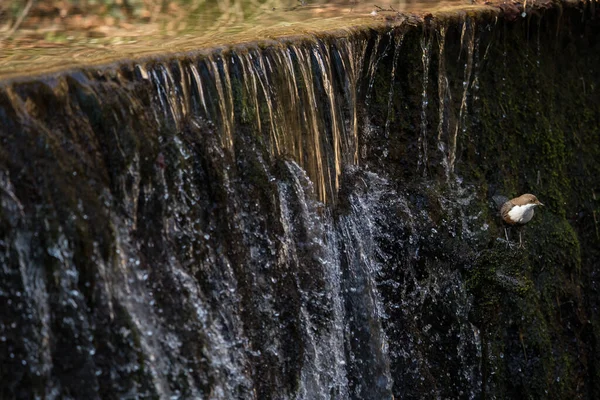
(547, 119)
(512, 106)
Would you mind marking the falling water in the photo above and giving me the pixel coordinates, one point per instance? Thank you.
(443, 102)
(352, 57)
(374, 61)
(469, 31)
(283, 221)
(426, 43)
(398, 40)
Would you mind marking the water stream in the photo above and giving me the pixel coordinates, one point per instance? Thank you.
(261, 222)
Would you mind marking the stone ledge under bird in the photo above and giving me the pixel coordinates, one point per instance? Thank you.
(518, 212)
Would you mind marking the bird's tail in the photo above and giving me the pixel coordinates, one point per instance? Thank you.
(499, 200)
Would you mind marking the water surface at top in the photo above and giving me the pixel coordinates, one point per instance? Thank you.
(45, 38)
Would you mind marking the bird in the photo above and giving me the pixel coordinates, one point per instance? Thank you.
(518, 212)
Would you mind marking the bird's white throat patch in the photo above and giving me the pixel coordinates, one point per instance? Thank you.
(521, 214)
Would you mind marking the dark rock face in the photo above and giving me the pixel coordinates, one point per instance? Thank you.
(310, 220)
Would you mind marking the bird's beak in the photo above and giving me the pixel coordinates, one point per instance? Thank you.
(539, 203)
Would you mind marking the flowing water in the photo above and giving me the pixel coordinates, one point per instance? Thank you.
(226, 283)
(241, 224)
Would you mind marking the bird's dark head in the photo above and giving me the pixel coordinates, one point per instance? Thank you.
(527, 199)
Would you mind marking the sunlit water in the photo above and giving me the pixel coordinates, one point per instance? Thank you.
(59, 44)
(262, 250)
(234, 223)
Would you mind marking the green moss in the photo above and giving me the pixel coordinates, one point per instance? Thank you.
(531, 127)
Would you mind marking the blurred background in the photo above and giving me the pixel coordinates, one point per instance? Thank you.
(53, 34)
(67, 20)
(63, 21)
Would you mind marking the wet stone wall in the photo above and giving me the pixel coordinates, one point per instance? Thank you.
(312, 218)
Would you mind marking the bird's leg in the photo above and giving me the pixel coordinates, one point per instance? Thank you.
(508, 243)
(520, 238)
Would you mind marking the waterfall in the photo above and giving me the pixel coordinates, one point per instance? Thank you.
(307, 218)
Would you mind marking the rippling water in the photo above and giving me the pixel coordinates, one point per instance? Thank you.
(58, 40)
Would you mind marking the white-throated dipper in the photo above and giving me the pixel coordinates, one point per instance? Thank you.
(518, 212)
